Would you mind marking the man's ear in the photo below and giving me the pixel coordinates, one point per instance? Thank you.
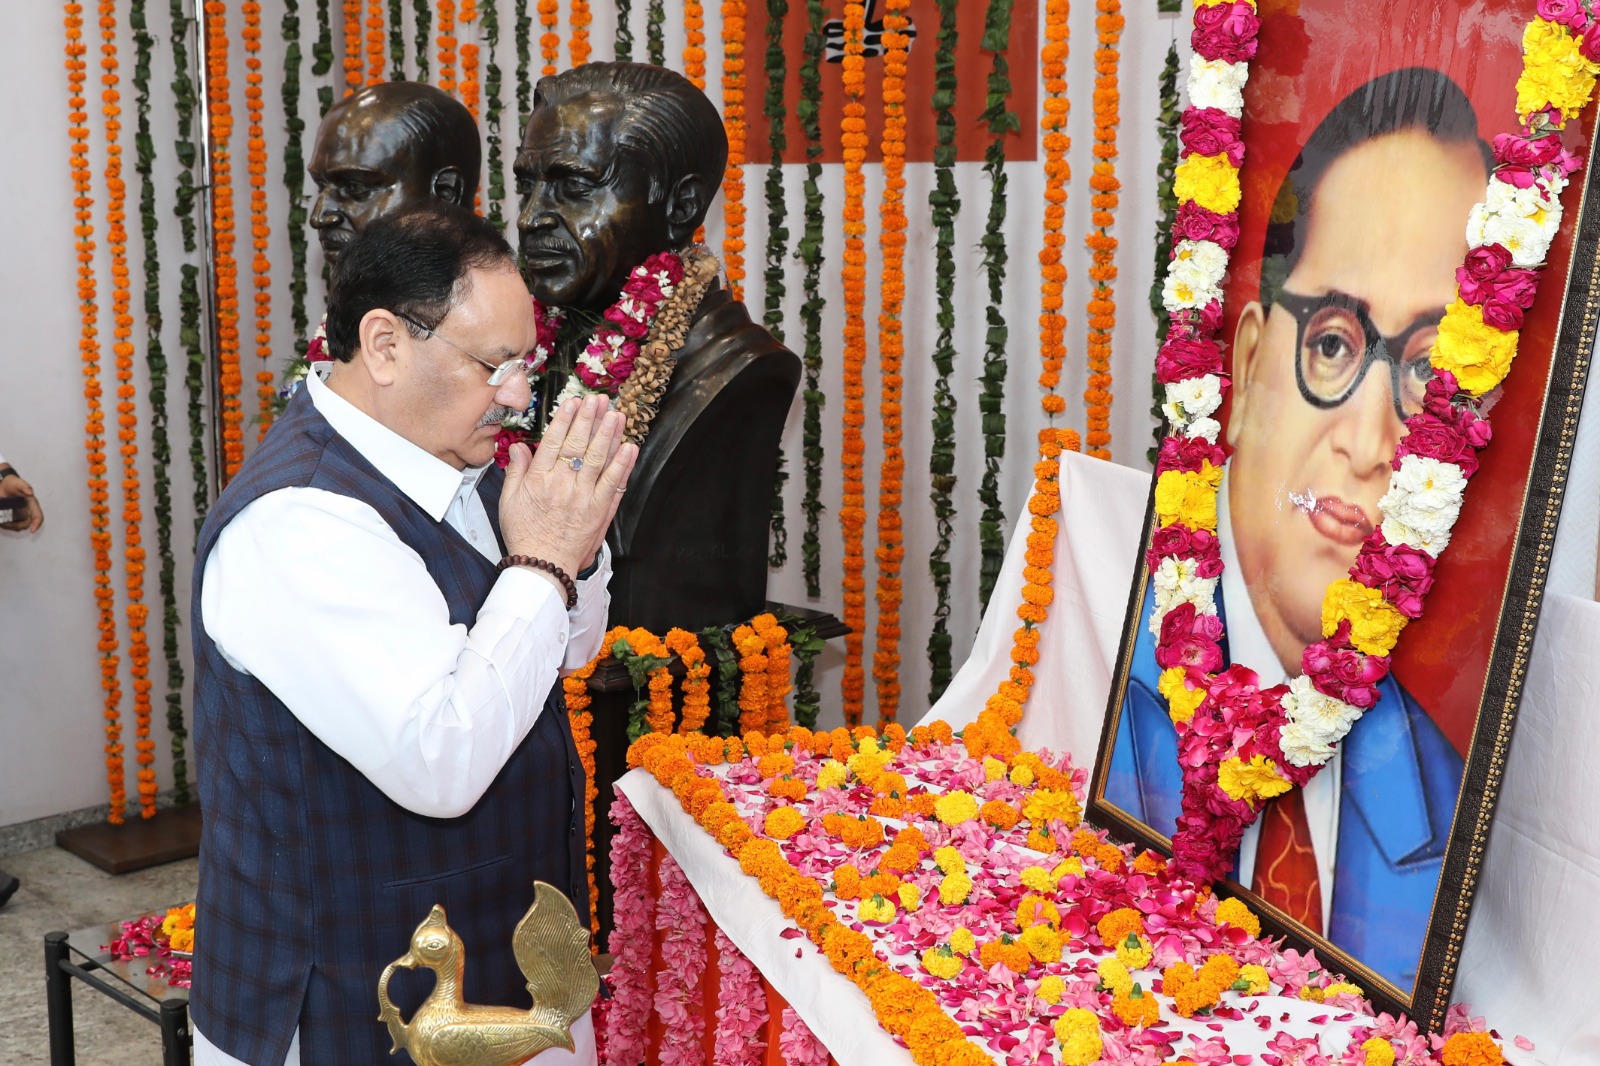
(449, 186)
(687, 203)
(379, 333)
(1246, 347)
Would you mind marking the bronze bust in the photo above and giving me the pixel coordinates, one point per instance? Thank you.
(621, 161)
(386, 149)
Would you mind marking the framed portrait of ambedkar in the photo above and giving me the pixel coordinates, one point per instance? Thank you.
(1318, 680)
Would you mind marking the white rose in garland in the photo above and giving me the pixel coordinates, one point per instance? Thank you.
(1422, 504)
(1219, 84)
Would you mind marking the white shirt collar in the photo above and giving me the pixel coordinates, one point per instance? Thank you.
(1248, 645)
(430, 482)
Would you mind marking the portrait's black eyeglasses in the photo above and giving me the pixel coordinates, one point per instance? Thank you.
(499, 373)
(1336, 342)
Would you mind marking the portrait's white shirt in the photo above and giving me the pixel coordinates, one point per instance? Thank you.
(313, 594)
(1248, 646)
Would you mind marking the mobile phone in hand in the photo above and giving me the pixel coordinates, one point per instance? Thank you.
(13, 509)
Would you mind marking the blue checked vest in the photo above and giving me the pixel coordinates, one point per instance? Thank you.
(311, 879)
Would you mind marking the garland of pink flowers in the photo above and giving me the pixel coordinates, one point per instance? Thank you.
(631, 937)
(741, 1008)
(799, 1044)
(679, 1002)
(1241, 744)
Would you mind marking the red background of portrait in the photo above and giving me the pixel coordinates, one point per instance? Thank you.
(1319, 58)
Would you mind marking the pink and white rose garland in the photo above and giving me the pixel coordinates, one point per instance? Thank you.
(1240, 744)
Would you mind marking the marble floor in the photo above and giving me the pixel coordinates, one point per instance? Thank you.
(62, 892)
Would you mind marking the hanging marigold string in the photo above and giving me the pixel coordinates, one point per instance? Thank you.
(470, 89)
(1057, 172)
(810, 253)
(779, 652)
(377, 26)
(891, 350)
(352, 46)
(1102, 310)
(94, 421)
(549, 40)
(694, 47)
(575, 686)
(733, 12)
(578, 19)
(447, 45)
(852, 503)
(754, 682)
(219, 116)
(697, 679)
(260, 226)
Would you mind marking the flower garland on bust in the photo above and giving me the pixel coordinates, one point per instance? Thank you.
(1241, 744)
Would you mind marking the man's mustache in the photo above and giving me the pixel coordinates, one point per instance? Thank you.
(495, 415)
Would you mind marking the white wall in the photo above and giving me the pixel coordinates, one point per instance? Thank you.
(50, 702)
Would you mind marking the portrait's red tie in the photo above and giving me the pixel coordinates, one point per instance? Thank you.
(1286, 865)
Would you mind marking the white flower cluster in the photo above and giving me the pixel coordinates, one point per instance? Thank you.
(1423, 503)
(1194, 276)
(1176, 582)
(1525, 221)
(1217, 83)
(1190, 401)
(1316, 723)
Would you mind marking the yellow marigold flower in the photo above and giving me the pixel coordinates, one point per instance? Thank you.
(1046, 805)
(846, 881)
(775, 764)
(1182, 701)
(1135, 952)
(1079, 1033)
(1070, 865)
(1342, 987)
(877, 910)
(1038, 879)
(1188, 498)
(1471, 1049)
(1114, 926)
(1051, 989)
(868, 746)
(949, 860)
(1476, 353)
(1254, 781)
(1255, 979)
(1378, 1051)
(1233, 912)
(954, 888)
(962, 940)
(867, 765)
(910, 896)
(1554, 71)
(1022, 775)
(993, 769)
(1040, 840)
(1375, 625)
(1136, 1008)
(832, 775)
(1220, 970)
(1310, 994)
(1114, 976)
(956, 807)
(182, 940)
(1042, 942)
(1210, 181)
(941, 962)
(784, 822)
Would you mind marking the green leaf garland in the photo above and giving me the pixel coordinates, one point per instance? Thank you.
(294, 170)
(776, 111)
(424, 36)
(322, 56)
(945, 204)
(809, 252)
(724, 721)
(1167, 211)
(184, 99)
(999, 120)
(624, 44)
(804, 647)
(156, 361)
(655, 40)
(524, 33)
(489, 14)
(397, 40)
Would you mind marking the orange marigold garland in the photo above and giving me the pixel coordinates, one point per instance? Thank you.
(446, 40)
(94, 421)
(578, 19)
(694, 46)
(1103, 271)
(549, 40)
(733, 82)
(696, 681)
(575, 686)
(776, 640)
(470, 88)
(219, 118)
(852, 503)
(753, 684)
(891, 350)
(377, 25)
(1053, 275)
(352, 46)
(260, 227)
(658, 715)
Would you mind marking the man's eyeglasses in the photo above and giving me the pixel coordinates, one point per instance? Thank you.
(1336, 342)
(499, 373)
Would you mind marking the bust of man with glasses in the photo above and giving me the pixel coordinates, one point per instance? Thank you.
(621, 161)
(1326, 366)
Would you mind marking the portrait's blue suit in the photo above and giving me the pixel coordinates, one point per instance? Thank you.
(1400, 783)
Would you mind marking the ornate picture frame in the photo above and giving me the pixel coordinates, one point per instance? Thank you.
(1390, 844)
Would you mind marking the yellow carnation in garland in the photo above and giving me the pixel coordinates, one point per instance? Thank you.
(1375, 625)
(1079, 1032)
(956, 807)
(1476, 353)
(1210, 181)
(1188, 497)
(1254, 781)
(1554, 71)
(1182, 701)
